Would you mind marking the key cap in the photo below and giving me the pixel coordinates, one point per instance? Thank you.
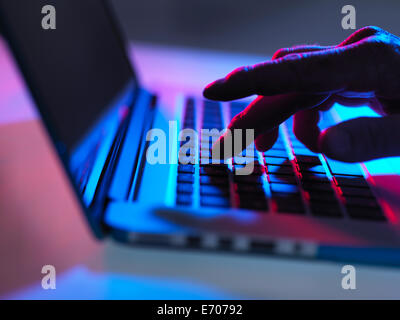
(278, 161)
(248, 179)
(184, 188)
(214, 180)
(187, 160)
(351, 181)
(338, 167)
(272, 169)
(184, 199)
(210, 171)
(321, 196)
(305, 167)
(253, 203)
(284, 188)
(316, 185)
(243, 160)
(276, 153)
(214, 190)
(357, 192)
(279, 178)
(314, 177)
(257, 169)
(303, 151)
(321, 209)
(311, 160)
(288, 203)
(248, 188)
(208, 201)
(364, 202)
(185, 178)
(185, 168)
(365, 213)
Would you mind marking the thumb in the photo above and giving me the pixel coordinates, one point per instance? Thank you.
(362, 139)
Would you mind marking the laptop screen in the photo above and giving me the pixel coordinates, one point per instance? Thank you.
(76, 70)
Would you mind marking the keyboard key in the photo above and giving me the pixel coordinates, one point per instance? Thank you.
(365, 213)
(253, 203)
(311, 160)
(291, 203)
(244, 160)
(279, 178)
(307, 167)
(187, 160)
(189, 124)
(213, 105)
(185, 168)
(278, 161)
(351, 181)
(360, 201)
(214, 190)
(321, 209)
(211, 126)
(184, 188)
(248, 179)
(184, 199)
(357, 192)
(284, 188)
(314, 177)
(185, 178)
(214, 170)
(210, 201)
(256, 170)
(338, 167)
(276, 153)
(272, 169)
(214, 180)
(303, 152)
(316, 185)
(249, 188)
(322, 196)
(210, 161)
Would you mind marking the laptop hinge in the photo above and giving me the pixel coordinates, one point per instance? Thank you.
(129, 162)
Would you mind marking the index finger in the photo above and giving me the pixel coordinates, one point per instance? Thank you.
(326, 71)
(267, 113)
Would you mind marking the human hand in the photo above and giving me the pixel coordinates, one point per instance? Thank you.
(301, 81)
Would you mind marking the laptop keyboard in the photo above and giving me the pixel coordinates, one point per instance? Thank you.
(288, 178)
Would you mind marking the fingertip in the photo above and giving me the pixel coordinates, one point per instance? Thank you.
(212, 90)
(335, 144)
(265, 141)
(260, 146)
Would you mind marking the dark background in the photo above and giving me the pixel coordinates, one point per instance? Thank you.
(251, 26)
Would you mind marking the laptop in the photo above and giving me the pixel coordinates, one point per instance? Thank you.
(121, 147)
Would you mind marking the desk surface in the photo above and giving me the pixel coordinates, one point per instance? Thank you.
(40, 221)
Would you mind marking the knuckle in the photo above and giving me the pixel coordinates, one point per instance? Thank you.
(281, 53)
(236, 121)
(371, 29)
